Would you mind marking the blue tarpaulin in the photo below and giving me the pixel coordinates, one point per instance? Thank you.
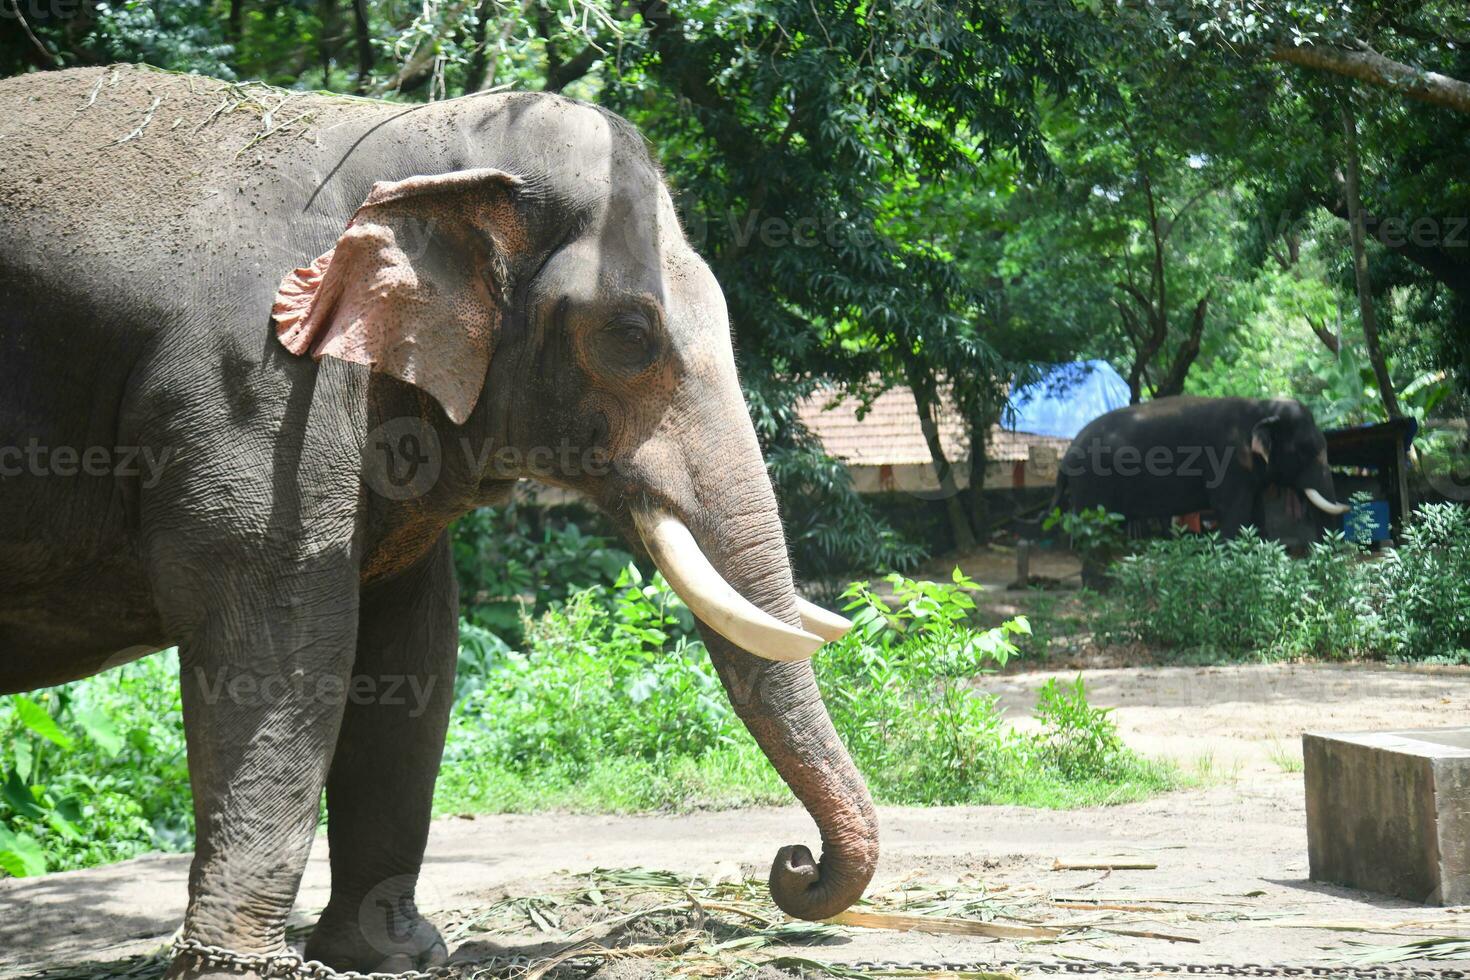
(1066, 398)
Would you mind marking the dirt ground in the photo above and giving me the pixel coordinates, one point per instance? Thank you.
(1230, 882)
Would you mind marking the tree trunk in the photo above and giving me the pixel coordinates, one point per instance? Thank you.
(235, 23)
(364, 45)
(327, 14)
(1184, 357)
(979, 509)
(487, 63)
(1352, 184)
(926, 401)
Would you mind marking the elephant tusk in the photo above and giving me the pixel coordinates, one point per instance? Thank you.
(1323, 504)
(828, 625)
(727, 612)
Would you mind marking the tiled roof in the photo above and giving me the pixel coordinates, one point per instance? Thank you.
(889, 434)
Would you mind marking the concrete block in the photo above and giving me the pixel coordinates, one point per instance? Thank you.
(1389, 812)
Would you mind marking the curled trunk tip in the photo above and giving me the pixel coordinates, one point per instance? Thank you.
(805, 888)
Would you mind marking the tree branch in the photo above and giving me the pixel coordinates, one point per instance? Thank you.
(1438, 261)
(364, 44)
(420, 63)
(1328, 338)
(567, 72)
(1369, 66)
(1184, 357)
(49, 58)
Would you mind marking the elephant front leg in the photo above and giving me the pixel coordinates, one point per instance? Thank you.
(264, 678)
(381, 786)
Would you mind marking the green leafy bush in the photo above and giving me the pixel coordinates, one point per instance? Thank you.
(1247, 597)
(610, 673)
(615, 705)
(900, 692)
(95, 771)
(1078, 740)
(610, 704)
(1196, 592)
(1098, 536)
(518, 557)
(1424, 585)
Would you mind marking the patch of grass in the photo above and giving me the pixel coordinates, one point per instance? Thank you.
(1206, 771)
(1284, 758)
(733, 776)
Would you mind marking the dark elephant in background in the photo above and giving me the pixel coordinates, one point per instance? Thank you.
(329, 333)
(1183, 454)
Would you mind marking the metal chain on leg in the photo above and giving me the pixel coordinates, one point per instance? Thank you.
(290, 966)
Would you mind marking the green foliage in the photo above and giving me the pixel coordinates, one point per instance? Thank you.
(1078, 740)
(897, 687)
(94, 771)
(1247, 598)
(614, 684)
(1097, 536)
(610, 673)
(1425, 585)
(1196, 592)
(523, 558)
(611, 703)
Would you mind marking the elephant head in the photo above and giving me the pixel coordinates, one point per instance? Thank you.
(545, 297)
(1293, 452)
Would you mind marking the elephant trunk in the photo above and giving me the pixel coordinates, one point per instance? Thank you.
(760, 635)
(781, 706)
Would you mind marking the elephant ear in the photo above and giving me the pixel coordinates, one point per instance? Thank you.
(415, 287)
(1261, 437)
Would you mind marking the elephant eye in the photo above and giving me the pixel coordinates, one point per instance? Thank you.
(627, 341)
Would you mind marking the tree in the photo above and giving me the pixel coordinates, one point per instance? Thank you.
(1352, 181)
(1402, 65)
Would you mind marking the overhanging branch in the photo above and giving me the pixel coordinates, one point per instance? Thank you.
(1369, 66)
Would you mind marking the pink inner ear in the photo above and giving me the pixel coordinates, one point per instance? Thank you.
(297, 294)
(1259, 448)
(381, 299)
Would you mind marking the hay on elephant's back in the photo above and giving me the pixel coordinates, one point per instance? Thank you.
(96, 154)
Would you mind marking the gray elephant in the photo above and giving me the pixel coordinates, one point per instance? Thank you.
(257, 350)
(1183, 454)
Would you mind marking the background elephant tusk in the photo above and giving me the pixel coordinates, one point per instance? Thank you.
(714, 600)
(1323, 504)
(828, 625)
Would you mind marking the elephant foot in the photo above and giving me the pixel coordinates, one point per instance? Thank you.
(377, 938)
